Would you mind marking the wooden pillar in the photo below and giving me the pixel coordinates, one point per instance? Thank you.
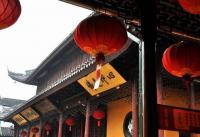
(141, 87)
(135, 123)
(40, 127)
(87, 120)
(159, 89)
(16, 131)
(28, 130)
(82, 121)
(160, 97)
(149, 31)
(60, 124)
(192, 96)
(191, 99)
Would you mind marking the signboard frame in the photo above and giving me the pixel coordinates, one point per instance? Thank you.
(17, 117)
(30, 114)
(178, 119)
(110, 78)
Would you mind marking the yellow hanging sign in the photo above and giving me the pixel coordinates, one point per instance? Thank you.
(110, 78)
(19, 119)
(30, 114)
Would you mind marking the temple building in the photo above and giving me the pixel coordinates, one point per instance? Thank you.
(138, 95)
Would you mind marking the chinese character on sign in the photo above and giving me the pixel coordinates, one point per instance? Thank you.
(111, 75)
(103, 79)
(90, 85)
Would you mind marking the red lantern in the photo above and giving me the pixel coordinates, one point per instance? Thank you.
(35, 130)
(9, 12)
(191, 6)
(47, 127)
(99, 114)
(183, 60)
(100, 36)
(70, 121)
(23, 133)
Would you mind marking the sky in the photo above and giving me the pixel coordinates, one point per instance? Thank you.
(41, 27)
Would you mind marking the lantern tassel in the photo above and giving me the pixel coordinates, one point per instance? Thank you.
(187, 80)
(70, 128)
(98, 123)
(100, 58)
(98, 76)
(47, 133)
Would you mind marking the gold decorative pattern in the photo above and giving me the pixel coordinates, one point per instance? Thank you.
(45, 106)
(19, 119)
(30, 114)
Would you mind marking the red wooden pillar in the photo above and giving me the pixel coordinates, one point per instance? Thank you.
(135, 118)
(87, 120)
(60, 125)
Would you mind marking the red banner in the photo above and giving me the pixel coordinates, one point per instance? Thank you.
(179, 119)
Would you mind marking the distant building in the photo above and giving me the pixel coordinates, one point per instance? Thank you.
(7, 105)
(6, 131)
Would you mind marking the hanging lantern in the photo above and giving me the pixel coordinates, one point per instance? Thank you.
(35, 130)
(100, 36)
(23, 133)
(99, 114)
(47, 127)
(9, 12)
(183, 60)
(191, 6)
(70, 121)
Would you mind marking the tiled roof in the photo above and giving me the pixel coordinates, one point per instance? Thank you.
(6, 132)
(30, 76)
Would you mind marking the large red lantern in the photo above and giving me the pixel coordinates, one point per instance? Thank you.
(70, 121)
(183, 60)
(47, 127)
(191, 6)
(99, 114)
(35, 130)
(9, 12)
(99, 36)
(23, 133)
